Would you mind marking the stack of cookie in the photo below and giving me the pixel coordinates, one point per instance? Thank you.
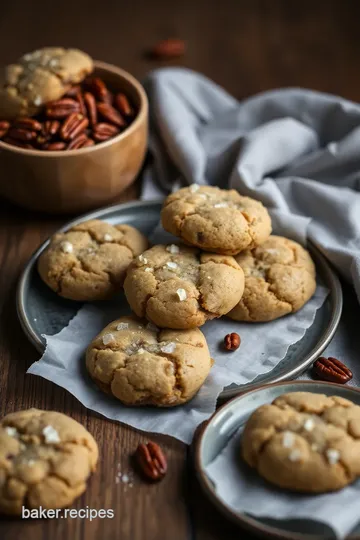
(227, 264)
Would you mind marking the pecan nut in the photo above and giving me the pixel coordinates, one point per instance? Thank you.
(123, 105)
(60, 145)
(331, 369)
(151, 460)
(81, 141)
(20, 134)
(232, 341)
(103, 131)
(73, 126)
(98, 88)
(110, 114)
(168, 48)
(62, 108)
(28, 123)
(4, 127)
(50, 128)
(90, 103)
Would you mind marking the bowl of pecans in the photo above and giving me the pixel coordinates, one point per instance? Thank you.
(78, 151)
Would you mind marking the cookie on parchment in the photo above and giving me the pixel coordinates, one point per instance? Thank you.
(140, 364)
(45, 460)
(279, 279)
(182, 287)
(305, 442)
(217, 220)
(39, 77)
(89, 261)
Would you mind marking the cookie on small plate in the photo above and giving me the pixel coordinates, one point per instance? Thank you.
(140, 364)
(217, 220)
(39, 77)
(279, 279)
(182, 287)
(45, 460)
(89, 261)
(305, 442)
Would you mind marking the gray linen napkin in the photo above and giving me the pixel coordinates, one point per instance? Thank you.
(296, 150)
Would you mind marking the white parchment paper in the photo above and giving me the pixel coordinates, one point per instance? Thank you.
(263, 346)
(244, 491)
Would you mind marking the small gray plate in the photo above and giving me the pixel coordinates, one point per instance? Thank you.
(41, 311)
(215, 434)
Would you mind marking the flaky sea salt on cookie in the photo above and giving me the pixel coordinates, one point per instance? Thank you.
(89, 261)
(45, 460)
(140, 364)
(217, 220)
(279, 279)
(182, 288)
(305, 442)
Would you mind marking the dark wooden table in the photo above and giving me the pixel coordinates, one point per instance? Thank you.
(245, 46)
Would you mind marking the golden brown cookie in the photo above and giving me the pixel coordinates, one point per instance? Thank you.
(279, 279)
(140, 364)
(182, 287)
(39, 77)
(217, 220)
(305, 442)
(89, 261)
(45, 460)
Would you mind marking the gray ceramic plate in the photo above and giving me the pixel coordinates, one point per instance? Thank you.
(225, 421)
(41, 311)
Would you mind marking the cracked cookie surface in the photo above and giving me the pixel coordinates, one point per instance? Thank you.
(89, 261)
(305, 442)
(140, 364)
(279, 279)
(217, 220)
(45, 460)
(182, 287)
(39, 77)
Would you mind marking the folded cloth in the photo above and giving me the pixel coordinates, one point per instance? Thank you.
(295, 150)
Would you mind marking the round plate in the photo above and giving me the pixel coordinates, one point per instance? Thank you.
(41, 311)
(212, 438)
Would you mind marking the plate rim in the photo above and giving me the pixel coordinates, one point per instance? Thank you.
(336, 298)
(252, 524)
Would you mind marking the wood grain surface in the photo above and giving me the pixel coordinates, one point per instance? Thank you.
(246, 47)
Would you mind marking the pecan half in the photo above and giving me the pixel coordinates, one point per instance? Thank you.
(73, 126)
(123, 105)
(103, 131)
(81, 141)
(20, 134)
(331, 369)
(54, 146)
(4, 126)
(62, 108)
(232, 341)
(28, 123)
(90, 103)
(98, 88)
(15, 142)
(110, 114)
(168, 48)
(151, 460)
(50, 128)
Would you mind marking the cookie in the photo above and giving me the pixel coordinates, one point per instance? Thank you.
(89, 261)
(45, 460)
(140, 364)
(182, 287)
(217, 220)
(39, 77)
(305, 442)
(279, 279)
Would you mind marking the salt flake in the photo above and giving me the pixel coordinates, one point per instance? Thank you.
(66, 247)
(194, 188)
(108, 237)
(107, 338)
(309, 424)
(288, 439)
(332, 455)
(171, 265)
(221, 205)
(181, 294)
(11, 431)
(295, 455)
(51, 435)
(173, 249)
(122, 326)
(168, 348)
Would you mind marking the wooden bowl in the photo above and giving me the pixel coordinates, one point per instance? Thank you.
(78, 180)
